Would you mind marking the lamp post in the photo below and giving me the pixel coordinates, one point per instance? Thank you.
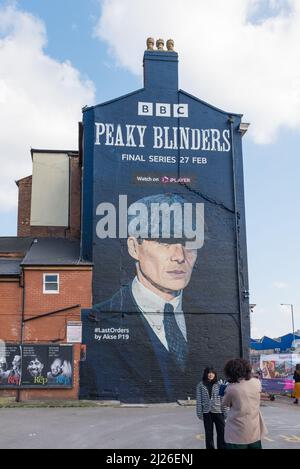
(292, 311)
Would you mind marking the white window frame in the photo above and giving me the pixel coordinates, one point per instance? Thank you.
(50, 292)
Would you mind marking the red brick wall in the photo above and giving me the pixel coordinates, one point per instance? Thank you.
(10, 314)
(75, 288)
(24, 204)
(75, 205)
(10, 311)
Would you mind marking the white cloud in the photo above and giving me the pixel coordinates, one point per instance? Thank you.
(40, 99)
(272, 320)
(280, 285)
(259, 330)
(240, 55)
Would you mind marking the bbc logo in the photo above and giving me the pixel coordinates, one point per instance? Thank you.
(163, 110)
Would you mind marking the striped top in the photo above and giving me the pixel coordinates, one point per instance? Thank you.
(206, 404)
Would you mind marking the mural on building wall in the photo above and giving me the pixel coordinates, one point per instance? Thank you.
(10, 365)
(160, 225)
(35, 366)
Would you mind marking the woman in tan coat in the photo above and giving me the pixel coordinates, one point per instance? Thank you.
(244, 427)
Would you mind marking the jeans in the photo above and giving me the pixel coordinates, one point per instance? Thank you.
(209, 420)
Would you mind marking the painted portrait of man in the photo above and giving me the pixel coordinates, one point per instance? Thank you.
(152, 356)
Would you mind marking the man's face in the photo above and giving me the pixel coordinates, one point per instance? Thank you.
(35, 367)
(169, 266)
(16, 363)
(56, 368)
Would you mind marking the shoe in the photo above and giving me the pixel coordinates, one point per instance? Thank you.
(296, 401)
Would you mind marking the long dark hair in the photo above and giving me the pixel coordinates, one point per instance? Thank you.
(205, 375)
(238, 369)
(298, 368)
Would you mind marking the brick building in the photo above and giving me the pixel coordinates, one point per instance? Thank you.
(43, 281)
(76, 247)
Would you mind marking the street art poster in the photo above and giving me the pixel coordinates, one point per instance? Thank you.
(47, 366)
(277, 372)
(161, 192)
(60, 366)
(36, 366)
(35, 361)
(10, 365)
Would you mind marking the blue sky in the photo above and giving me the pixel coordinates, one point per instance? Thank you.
(242, 57)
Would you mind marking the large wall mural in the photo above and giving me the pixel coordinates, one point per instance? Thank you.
(164, 224)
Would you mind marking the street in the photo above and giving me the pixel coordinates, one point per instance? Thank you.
(164, 426)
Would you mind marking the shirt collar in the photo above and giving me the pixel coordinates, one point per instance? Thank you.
(149, 302)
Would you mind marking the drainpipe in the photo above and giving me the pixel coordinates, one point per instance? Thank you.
(237, 235)
(18, 396)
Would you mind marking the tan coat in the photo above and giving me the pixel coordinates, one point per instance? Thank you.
(244, 424)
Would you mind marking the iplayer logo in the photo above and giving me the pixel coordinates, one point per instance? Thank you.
(163, 109)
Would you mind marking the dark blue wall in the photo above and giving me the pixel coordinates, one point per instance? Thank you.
(219, 283)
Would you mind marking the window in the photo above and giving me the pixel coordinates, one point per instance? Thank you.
(51, 283)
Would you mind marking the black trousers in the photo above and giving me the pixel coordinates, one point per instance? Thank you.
(209, 420)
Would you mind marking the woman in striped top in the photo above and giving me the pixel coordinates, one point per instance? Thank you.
(210, 409)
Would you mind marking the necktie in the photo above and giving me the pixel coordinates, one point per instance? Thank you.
(176, 342)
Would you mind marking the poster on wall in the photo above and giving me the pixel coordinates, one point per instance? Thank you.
(159, 225)
(47, 366)
(60, 366)
(36, 366)
(10, 365)
(277, 372)
(74, 332)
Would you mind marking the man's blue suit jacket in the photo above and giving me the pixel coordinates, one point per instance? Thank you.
(139, 369)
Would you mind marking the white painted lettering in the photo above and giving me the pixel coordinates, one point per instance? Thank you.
(100, 129)
(130, 139)
(158, 137)
(226, 137)
(141, 130)
(205, 139)
(109, 136)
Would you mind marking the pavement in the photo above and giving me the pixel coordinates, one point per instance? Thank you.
(162, 426)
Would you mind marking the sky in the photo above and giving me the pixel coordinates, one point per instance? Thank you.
(240, 55)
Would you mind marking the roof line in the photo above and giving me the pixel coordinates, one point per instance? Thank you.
(210, 105)
(46, 264)
(6, 275)
(16, 237)
(22, 179)
(105, 103)
(38, 150)
(124, 96)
